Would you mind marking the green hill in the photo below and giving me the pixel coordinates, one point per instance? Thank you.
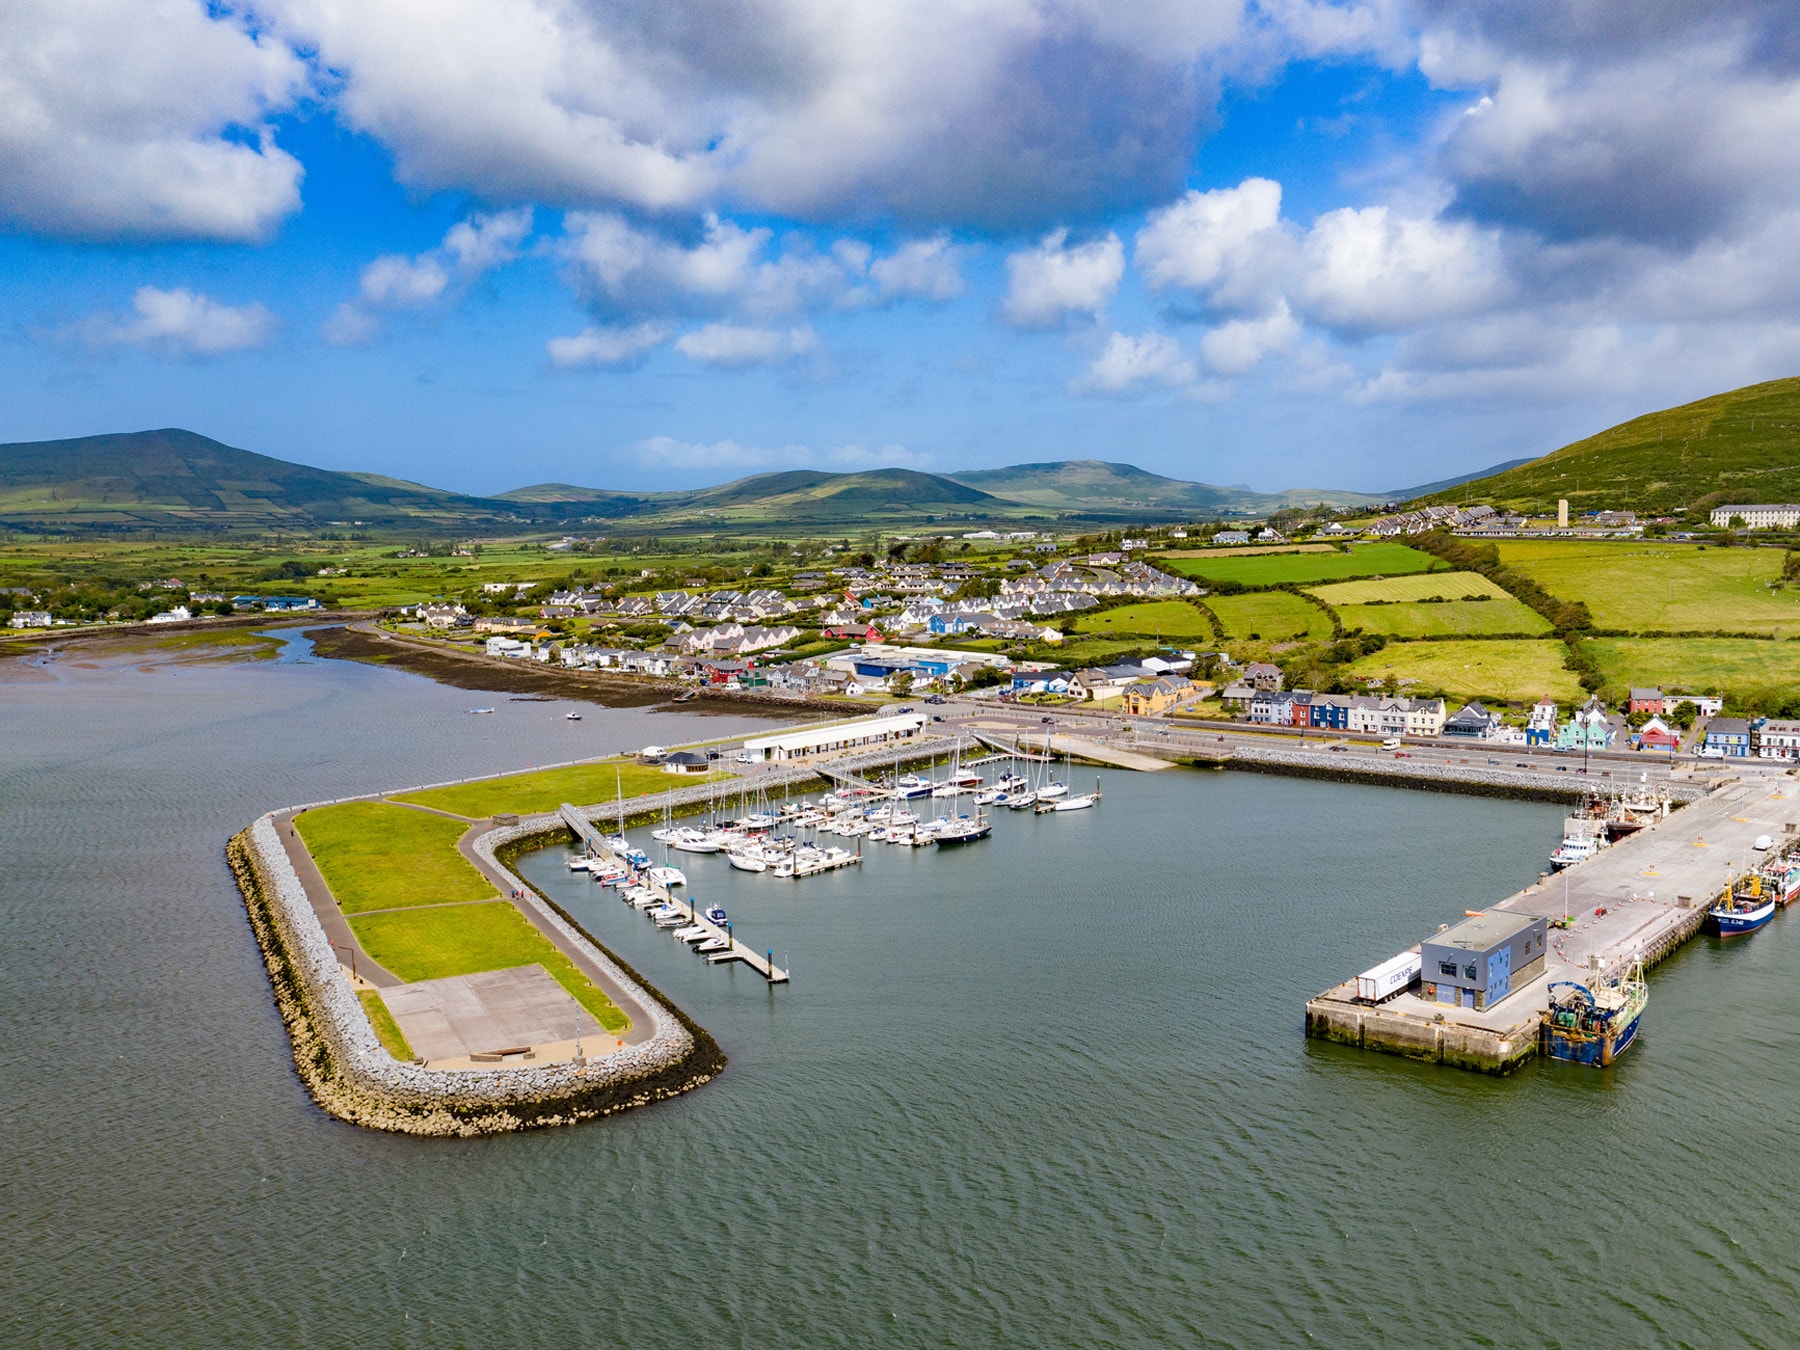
(174, 478)
(1097, 487)
(1739, 446)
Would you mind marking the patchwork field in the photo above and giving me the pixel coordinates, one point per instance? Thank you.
(1247, 550)
(376, 856)
(1400, 590)
(1154, 618)
(428, 944)
(1698, 665)
(1446, 618)
(1507, 671)
(1269, 616)
(1275, 569)
(547, 789)
(1652, 586)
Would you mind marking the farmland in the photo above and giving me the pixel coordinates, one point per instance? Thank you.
(1447, 618)
(1269, 616)
(1510, 671)
(1153, 619)
(1276, 569)
(1657, 587)
(1697, 665)
(1401, 590)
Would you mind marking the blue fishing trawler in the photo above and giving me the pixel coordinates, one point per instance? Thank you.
(1746, 907)
(1594, 1023)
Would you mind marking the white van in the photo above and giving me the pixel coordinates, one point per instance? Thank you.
(1390, 744)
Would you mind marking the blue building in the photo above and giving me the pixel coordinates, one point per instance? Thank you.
(1728, 737)
(1331, 711)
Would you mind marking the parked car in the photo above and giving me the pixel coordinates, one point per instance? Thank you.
(934, 698)
(1047, 720)
(745, 757)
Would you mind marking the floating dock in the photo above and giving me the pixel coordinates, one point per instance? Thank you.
(1638, 900)
(594, 842)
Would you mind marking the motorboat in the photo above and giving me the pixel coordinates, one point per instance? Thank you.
(572, 717)
(690, 840)
(481, 710)
(715, 944)
(694, 932)
(579, 863)
(910, 786)
(715, 914)
(668, 876)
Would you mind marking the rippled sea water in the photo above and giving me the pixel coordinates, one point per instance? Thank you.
(1051, 1089)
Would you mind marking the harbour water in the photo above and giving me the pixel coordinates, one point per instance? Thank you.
(1049, 1089)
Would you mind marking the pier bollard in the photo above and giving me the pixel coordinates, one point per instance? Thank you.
(771, 965)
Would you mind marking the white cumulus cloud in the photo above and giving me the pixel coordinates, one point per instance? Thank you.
(607, 345)
(1052, 280)
(396, 281)
(143, 120)
(1374, 270)
(1210, 240)
(1127, 363)
(178, 323)
(738, 346)
(1234, 347)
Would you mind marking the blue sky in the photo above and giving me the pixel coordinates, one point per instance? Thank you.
(629, 245)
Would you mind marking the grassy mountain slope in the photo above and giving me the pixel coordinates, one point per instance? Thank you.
(173, 477)
(1741, 446)
(1093, 486)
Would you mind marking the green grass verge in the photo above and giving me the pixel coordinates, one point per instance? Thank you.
(547, 789)
(431, 944)
(1276, 569)
(1697, 665)
(1270, 616)
(1521, 670)
(387, 1030)
(1658, 587)
(1152, 619)
(1400, 590)
(377, 856)
(1448, 618)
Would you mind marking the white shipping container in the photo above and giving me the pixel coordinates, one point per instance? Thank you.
(1388, 978)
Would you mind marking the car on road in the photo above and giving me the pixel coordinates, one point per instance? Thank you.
(1047, 720)
(745, 757)
(901, 712)
(934, 698)
(1390, 745)
(937, 717)
(1402, 754)
(1329, 747)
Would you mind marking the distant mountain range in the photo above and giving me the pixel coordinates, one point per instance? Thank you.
(174, 480)
(1743, 445)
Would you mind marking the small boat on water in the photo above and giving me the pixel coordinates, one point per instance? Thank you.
(913, 786)
(747, 859)
(668, 876)
(1782, 876)
(1746, 907)
(1018, 801)
(716, 914)
(963, 830)
(1594, 1023)
(692, 841)
(573, 716)
(481, 710)
(716, 944)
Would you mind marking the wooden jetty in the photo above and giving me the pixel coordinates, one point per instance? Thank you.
(594, 842)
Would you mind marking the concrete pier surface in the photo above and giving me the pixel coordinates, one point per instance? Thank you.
(1635, 901)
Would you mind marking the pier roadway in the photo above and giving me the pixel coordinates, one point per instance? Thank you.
(1638, 900)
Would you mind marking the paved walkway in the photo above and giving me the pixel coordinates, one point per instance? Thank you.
(325, 905)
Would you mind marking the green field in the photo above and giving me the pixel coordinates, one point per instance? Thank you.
(430, 944)
(547, 789)
(1153, 619)
(1516, 671)
(1399, 590)
(1698, 665)
(1448, 618)
(387, 1030)
(1087, 652)
(376, 856)
(1656, 587)
(1276, 569)
(1269, 616)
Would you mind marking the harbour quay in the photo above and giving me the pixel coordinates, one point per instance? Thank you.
(1631, 904)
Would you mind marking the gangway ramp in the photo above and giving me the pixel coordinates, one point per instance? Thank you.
(595, 843)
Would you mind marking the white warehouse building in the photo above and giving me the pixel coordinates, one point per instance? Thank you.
(841, 736)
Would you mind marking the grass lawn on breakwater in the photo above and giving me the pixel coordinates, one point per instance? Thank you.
(376, 856)
(546, 789)
(387, 1030)
(1514, 670)
(431, 944)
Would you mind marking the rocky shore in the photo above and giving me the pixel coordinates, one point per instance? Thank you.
(350, 1074)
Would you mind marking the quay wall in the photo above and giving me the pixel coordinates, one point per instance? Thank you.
(350, 1074)
(1336, 1017)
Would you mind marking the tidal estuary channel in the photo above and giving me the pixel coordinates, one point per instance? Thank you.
(1050, 1089)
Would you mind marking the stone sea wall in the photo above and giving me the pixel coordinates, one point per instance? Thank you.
(352, 1076)
(1483, 779)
